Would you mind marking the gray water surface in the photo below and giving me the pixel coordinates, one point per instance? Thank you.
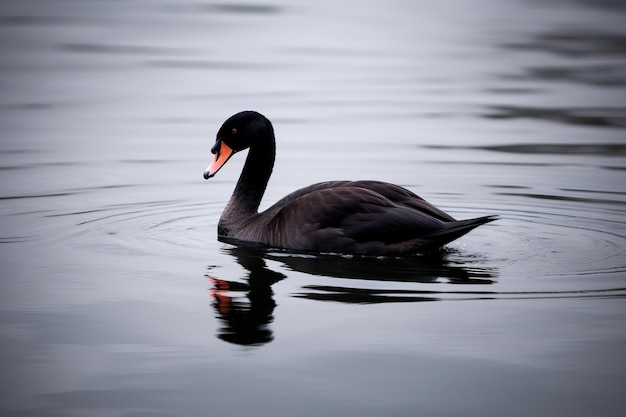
(116, 299)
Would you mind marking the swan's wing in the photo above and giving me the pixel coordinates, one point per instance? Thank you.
(337, 218)
(394, 193)
(403, 197)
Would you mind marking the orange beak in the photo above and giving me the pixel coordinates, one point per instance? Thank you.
(222, 154)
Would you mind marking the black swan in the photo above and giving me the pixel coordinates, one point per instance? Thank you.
(345, 217)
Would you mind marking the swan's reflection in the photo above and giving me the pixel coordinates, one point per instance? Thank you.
(246, 321)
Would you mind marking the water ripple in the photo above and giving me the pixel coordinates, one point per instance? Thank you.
(600, 149)
(575, 43)
(600, 117)
(542, 247)
(118, 49)
(568, 226)
(374, 296)
(157, 227)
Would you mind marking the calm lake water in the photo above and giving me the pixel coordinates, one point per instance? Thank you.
(117, 300)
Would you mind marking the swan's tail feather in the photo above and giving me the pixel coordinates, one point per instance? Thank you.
(455, 229)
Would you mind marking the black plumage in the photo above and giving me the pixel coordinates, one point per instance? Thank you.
(349, 217)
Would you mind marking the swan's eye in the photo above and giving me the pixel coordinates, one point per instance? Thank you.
(234, 131)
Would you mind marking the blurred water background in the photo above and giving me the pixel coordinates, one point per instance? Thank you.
(117, 300)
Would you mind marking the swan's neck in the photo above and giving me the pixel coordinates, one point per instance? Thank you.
(245, 201)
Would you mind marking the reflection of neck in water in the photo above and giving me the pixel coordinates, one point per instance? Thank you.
(246, 322)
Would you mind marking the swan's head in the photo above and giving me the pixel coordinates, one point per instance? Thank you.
(236, 134)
